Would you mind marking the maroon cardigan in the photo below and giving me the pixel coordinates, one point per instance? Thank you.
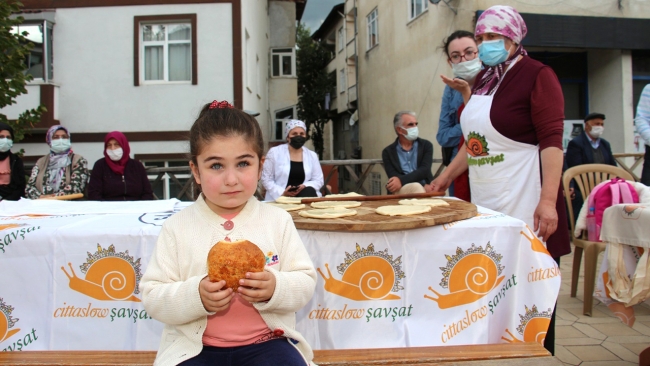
(106, 185)
(528, 107)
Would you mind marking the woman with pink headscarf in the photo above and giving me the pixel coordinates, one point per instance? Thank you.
(513, 125)
(59, 173)
(117, 177)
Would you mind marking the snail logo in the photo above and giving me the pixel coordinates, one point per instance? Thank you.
(469, 276)
(6, 321)
(10, 226)
(632, 212)
(535, 244)
(476, 145)
(367, 275)
(110, 276)
(533, 326)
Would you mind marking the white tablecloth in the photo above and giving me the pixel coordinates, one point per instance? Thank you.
(483, 280)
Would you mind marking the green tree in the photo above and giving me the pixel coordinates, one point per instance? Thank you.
(313, 84)
(15, 48)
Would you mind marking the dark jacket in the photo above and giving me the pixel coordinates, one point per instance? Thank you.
(16, 187)
(425, 160)
(106, 185)
(579, 151)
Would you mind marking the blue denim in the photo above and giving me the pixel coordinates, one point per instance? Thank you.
(276, 352)
(449, 131)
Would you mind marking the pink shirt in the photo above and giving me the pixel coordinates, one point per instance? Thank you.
(5, 172)
(239, 325)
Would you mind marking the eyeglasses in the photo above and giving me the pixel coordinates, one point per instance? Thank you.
(468, 56)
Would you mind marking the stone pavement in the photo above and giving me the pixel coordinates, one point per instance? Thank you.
(601, 339)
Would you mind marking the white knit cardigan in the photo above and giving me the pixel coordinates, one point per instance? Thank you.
(170, 285)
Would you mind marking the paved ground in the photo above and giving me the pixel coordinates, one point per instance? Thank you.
(601, 339)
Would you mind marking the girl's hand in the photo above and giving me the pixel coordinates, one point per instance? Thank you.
(213, 298)
(257, 287)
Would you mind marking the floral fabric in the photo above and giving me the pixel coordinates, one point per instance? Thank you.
(78, 180)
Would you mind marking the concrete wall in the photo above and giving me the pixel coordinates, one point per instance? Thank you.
(93, 50)
(255, 60)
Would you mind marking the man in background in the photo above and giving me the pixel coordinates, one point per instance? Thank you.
(408, 160)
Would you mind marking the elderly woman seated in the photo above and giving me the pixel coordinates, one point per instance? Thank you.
(291, 169)
(59, 173)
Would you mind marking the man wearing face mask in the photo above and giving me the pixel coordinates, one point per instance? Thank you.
(117, 177)
(589, 148)
(408, 160)
(59, 173)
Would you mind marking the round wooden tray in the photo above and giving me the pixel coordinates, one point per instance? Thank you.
(367, 220)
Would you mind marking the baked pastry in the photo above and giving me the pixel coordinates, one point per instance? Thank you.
(229, 261)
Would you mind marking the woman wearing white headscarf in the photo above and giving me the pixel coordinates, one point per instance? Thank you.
(291, 169)
(59, 173)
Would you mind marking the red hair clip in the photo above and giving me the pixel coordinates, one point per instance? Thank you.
(219, 105)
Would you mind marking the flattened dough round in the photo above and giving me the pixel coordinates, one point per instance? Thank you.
(327, 213)
(287, 206)
(402, 210)
(287, 199)
(351, 194)
(433, 202)
(333, 204)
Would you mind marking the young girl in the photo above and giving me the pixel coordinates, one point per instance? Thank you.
(205, 323)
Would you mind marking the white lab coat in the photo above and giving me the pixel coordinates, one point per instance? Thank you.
(275, 173)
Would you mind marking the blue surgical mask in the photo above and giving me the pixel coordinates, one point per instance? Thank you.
(493, 53)
(60, 145)
(467, 70)
(6, 144)
(411, 133)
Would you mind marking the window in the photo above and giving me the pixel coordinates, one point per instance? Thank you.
(165, 49)
(38, 63)
(281, 117)
(342, 85)
(283, 61)
(341, 39)
(417, 7)
(373, 34)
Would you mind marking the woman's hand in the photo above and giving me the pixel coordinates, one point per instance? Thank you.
(292, 193)
(257, 287)
(459, 85)
(214, 299)
(545, 219)
(441, 183)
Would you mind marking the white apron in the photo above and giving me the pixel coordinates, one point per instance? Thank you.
(504, 175)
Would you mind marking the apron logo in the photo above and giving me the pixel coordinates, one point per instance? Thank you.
(469, 276)
(366, 275)
(476, 145)
(533, 326)
(110, 276)
(6, 321)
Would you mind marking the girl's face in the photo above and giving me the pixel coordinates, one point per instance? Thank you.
(112, 144)
(227, 170)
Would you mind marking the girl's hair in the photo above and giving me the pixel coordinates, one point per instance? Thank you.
(456, 35)
(226, 122)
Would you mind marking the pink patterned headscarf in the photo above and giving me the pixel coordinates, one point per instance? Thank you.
(503, 20)
(506, 21)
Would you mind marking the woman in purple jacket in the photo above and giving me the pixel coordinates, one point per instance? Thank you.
(117, 177)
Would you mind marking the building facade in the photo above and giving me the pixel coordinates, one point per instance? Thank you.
(146, 68)
(598, 48)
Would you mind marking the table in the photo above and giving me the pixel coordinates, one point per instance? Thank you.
(625, 224)
(69, 282)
